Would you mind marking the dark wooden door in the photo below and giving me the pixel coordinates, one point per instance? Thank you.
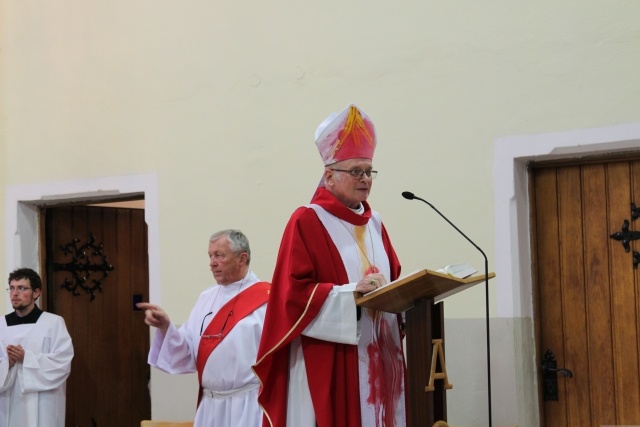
(108, 385)
(587, 291)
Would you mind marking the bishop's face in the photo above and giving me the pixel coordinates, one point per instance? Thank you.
(23, 296)
(350, 191)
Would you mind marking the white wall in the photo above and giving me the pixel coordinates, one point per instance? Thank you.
(219, 101)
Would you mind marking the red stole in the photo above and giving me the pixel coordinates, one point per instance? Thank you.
(236, 309)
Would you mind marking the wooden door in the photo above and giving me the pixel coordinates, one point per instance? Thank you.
(587, 292)
(108, 385)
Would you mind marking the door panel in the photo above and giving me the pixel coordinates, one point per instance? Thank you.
(596, 281)
(545, 199)
(587, 305)
(108, 384)
(624, 298)
(573, 299)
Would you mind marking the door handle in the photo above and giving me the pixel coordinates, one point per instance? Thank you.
(564, 371)
(550, 376)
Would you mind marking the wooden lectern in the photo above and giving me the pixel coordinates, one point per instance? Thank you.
(418, 295)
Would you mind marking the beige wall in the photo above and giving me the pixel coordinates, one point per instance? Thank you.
(220, 100)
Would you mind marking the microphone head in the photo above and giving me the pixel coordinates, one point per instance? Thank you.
(408, 195)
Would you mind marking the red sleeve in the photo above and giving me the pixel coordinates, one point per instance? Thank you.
(301, 287)
(306, 270)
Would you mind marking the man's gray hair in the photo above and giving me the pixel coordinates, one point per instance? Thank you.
(238, 242)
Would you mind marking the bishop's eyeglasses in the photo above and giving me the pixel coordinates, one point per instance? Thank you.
(357, 173)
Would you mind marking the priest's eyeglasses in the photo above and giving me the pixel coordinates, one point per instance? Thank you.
(357, 173)
(20, 289)
(219, 334)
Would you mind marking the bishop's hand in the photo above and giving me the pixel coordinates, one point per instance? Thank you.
(371, 282)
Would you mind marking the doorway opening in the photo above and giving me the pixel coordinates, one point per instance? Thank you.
(26, 246)
(516, 383)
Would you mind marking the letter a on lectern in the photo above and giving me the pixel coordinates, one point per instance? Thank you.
(437, 351)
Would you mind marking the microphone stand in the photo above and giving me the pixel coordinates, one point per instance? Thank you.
(409, 196)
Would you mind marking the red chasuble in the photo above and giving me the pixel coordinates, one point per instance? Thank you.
(227, 317)
(308, 267)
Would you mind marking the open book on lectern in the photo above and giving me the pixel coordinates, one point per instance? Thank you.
(401, 294)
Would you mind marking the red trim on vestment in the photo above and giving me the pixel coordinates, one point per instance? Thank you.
(236, 309)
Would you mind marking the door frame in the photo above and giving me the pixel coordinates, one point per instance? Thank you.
(514, 282)
(22, 227)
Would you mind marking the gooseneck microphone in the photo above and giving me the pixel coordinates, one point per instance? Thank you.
(410, 196)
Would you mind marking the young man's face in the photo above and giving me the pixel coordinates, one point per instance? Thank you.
(23, 296)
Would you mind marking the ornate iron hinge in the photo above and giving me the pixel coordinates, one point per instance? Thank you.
(82, 268)
(626, 236)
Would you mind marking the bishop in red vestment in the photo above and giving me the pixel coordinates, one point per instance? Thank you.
(322, 360)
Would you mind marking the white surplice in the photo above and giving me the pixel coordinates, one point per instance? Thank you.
(228, 371)
(33, 393)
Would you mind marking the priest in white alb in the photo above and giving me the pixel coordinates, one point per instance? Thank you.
(220, 338)
(35, 358)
